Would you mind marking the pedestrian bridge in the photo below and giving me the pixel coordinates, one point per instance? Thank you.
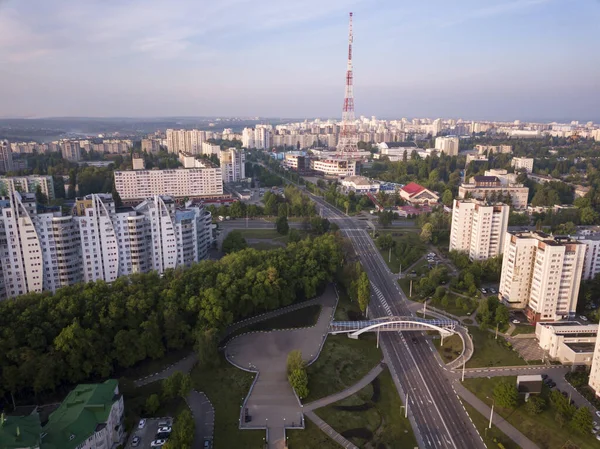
(392, 323)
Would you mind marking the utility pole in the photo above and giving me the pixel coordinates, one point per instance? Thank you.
(491, 416)
(390, 256)
(377, 338)
(406, 407)
(410, 290)
(463, 371)
(497, 324)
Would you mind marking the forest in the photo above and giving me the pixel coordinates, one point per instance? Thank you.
(90, 331)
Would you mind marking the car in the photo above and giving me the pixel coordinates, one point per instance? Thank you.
(483, 290)
(493, 290)
(142, 424)
(158, 443)
(595, 430)
(135, 442)
(516, 322)
(598, 413)
(206, 444)
(166, 429)
(582, 317)
(544, 376)
(165, 423)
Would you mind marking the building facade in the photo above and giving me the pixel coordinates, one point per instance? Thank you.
(490, 149)
(334, 167)
(448, 145)
(27, 184)
(541, 274)
(522, 163)
(6, 159)
(178, 183)
(568, 342)
(488, 187)
(71, 150)
(233, 165)
(478, 228)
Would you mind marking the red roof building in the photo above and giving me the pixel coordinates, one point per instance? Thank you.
(417, 194)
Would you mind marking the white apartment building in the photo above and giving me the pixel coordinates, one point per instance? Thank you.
(210, 148)
(99, 241)
(159, 212)
(186, 140)
(71, 150)
(591, 264)
(27, 184)
(20, 248)
(594, 382)
(138, 163)
(178, 183)
(233, 165)
(6, 160)
(448, 145)
(541, 274)
(132, 229)
(334, 167)
(482, 187)
(498, 149)
(522, 162)
(478, 228)
(258, 137)
(596, 135)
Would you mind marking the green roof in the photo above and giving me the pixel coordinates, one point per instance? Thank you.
(77, 418)
(19, 432)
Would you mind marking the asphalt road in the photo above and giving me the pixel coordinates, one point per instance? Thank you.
(438, 415)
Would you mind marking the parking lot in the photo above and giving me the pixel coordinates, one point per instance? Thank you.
(147, 434)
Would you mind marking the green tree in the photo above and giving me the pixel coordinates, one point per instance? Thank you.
(171, 385)
(447, 197)
(535, 405)
(299, 381)
(271, 204)
(426, 233)
(40, 197)
(234, 242)
(582, 421)
(385, 218)
(385, 241)
(506, 394)
(152, 404)
(363, 291)
(185, 386)
(294, 361)
(588, 216)
(294, 236)
(502, 314)
(206, 347)
(282, 225)
(182, 435)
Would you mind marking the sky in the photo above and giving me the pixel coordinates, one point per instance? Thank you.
(470, 59)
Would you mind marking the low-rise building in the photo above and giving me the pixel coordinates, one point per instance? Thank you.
(90, 417)
(334, 167)
(296, 161)
(20, 432)
(360, 184)
(417, 194)
(567, 342)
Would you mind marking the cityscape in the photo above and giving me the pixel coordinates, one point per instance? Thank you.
(181, 281)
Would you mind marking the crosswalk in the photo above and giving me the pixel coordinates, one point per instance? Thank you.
(382, 299)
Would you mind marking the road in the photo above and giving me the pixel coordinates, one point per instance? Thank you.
(438, 418)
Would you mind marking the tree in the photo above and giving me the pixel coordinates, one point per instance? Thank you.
(234, 242)
(270, 204)
(535, 405)
(182, 435)
(282, 225)
(363, 291)
(426, 233)
(40, 197)
(294, 361)
(206, 348)
(385, 241)
(171, 385)
(582, 421)
(506, 394)
(447, 197)
(385, 218)
(299, 381)
(152, 404)
(294, 236)
(502, 314)
(588, 216)
(185, 386)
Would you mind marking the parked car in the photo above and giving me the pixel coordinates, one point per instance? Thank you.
(582, 317)
(493, 290)
(158, 443)
(516, 322)
(135, 442)
(598, 413)
(206, 444)
(142, 424)
(544, 376)
(483, 290)
(165, 429)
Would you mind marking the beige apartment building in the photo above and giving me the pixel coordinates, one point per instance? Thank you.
(522, 162)
(178, 183)
(498, 149)
(541, 274)
(594, 382)
(334, 167)
(478, 228)
(485, 187)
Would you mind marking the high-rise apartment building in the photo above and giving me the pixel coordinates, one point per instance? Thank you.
(42, 250)
(178, 183)
(71, 150)
(233, 164)
(492, 188)
(27, 184)
(186, 140)
(151, 145)
(448, 145)
(210, 148)
(478, 228)
(258, 137)
(522, 163)
(6, 160)
(594, 381)
(498, 149)
(541, 274)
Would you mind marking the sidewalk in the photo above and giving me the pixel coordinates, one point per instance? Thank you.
(512, 433)
(329, 431)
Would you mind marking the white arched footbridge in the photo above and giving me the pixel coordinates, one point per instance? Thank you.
(394, 324)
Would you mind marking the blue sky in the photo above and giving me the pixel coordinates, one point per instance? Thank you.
(491, 59)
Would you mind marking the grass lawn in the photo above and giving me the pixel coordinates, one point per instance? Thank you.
(226, 386)
(491, 352)
(456, 305)
(342, 363)
(346, 310)
(305, 317)
(542, 429)
(408, 239)
(377, 419)
(270, 234)
(523, 329)
(492, 436)
(451, 349)
(264, 246)
(309, 438)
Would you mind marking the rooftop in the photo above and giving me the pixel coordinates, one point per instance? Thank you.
(85, 408)
(412, 188)
(20, 431)
(581, 347)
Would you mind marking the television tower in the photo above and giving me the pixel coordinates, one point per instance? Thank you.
(347, 144)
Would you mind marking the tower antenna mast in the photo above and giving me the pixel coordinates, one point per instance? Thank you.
(348, 141)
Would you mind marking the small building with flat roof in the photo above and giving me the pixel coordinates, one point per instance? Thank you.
(568, 342)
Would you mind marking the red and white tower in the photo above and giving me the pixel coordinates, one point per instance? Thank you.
(347, 144)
